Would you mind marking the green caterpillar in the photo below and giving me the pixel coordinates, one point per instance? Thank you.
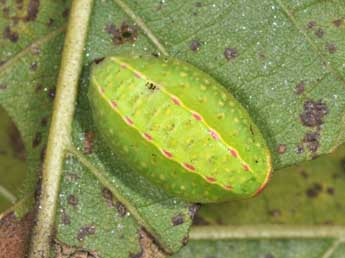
(178, 127)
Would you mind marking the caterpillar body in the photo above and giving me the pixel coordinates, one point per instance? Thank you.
(178, 127)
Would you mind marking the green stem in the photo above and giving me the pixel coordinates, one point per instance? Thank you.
(266, 232)
(60, 129)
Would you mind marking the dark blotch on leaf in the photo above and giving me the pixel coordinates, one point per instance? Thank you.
(275, 213)
(121, 209)
(72, 200)
(88, 142)
(10, 35)
(33, 66)
(85, 231)
(330, 190)
(311, 24)
(314, 190)
(50, 22)
(33, 9)
(3, 86)
(299, 89)
(65, 219)
(195, 45)
(43, 153)
(319, 33)
(304, 174)
(44, 121)
(177, 220)
(230, 53)
(312, 141)
(331, 48)
(299, 149)
(37, 140)
(338, 22)
(126, 33)
(314, 112)
(281, 148)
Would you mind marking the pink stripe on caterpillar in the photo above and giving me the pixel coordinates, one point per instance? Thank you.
(128, 120)
(214, 134)
(211, 179)
(228, 187)
(124, 66)
(197, 116)
(176, 101)
(114, 103)
(246, 167)
(167, 154)
(102, 90)
(138, 75)
(148, 136)
(233, 152)
(189, 166)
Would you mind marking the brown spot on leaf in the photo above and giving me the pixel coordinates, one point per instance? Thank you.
(275, 213)
(3, 86)
(195, 45)
(37, 140)
(177, 220)
(72, 200)
(314, 190)
(33, 9)
(99, 60)
(43, 153)
(299, 89)
(50, 22)
(126, 33)
(312, 141)
(230, 53)
(299, 149)
(331, 48)
(65, 219)
(85, 231)
(330, 190)
(33, 66)
(44, 121)
(314, 112)
(88, 142)
(121, 209)
(338, 22)
(319, 33)
(311, 24)
(304, 174)
(281, 148)
(108, 196)
(14, 235)
(10, 35)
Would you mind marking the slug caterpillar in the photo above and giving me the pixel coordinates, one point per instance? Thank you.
(178, 127)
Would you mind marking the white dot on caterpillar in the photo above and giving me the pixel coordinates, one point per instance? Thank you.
(207, 82)
(221, 103)
(236, 120)
(162, 177)
(183, 74)
(203, 87)
(182, 187)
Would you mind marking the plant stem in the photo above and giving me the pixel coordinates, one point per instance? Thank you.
(266, 232)
(60, 129)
